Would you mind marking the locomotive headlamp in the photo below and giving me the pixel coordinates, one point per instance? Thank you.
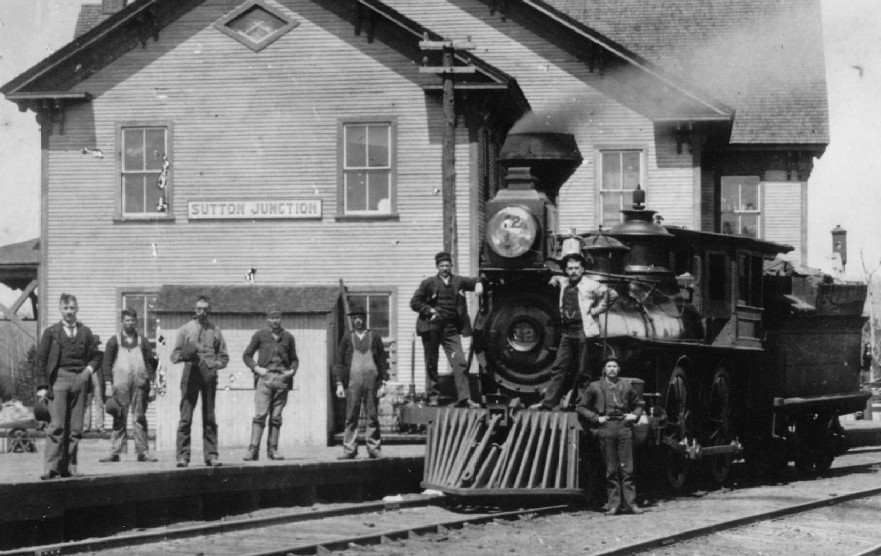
(511, 231)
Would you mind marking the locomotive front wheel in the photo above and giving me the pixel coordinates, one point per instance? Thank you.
(718, 425)
(676, 406)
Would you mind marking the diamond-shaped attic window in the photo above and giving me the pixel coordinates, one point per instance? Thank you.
(256, 24)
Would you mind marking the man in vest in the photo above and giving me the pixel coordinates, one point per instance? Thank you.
(130, 375)
(443, 320)
(66, 358)
(274, 371)
(611, 405)
(582, 300)
(361, 362)
(200, 345)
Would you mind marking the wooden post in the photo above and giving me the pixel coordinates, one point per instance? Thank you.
(448, 160)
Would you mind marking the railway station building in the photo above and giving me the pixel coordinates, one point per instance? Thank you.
(255, 150)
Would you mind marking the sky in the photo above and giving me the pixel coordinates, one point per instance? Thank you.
(843, 189)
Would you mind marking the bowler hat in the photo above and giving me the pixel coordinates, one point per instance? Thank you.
(357, 310)
(113, 407)
(442, 256)
(41, 410)
(609, 358)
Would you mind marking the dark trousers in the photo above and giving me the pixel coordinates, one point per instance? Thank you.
(362, 391)
(65, 430)
(616, 444)
(572, 361)
(198, 381)
(447, 336)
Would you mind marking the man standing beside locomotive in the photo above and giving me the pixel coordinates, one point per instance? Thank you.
(443, 320)
(582, 300)
(613, 406)
(274, 371)
(66, 358)
(200, 345)
(361, 362)
(130, 369)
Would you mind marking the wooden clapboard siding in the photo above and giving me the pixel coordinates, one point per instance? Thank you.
(307, 418)
(554, 80)
(250, 125)
(787, 225)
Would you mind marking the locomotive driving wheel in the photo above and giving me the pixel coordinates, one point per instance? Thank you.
(676, 406)
(718, 425)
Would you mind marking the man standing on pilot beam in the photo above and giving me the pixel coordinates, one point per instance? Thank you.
(582, 300)
(443, 320)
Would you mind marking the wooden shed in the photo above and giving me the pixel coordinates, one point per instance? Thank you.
(312, 314)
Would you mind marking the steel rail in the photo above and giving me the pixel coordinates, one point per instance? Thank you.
(126, 540)
(343, 543)
(691, 534)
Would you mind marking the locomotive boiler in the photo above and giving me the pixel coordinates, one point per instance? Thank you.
(730, 360)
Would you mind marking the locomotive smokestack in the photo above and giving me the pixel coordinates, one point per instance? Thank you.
(551, 157)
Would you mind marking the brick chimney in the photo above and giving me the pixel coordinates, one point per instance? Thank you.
(109, 7)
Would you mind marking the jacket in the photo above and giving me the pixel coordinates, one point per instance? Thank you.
(343, 364)
(263, 343)
(49, 354)
(111, 348)
(594, 298)
(214, 356)
(592, 400)
(425, 298)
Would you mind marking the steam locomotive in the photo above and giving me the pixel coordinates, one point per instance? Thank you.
(731, 358)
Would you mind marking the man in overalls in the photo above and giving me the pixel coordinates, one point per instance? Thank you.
(130, 366)
(362, 363)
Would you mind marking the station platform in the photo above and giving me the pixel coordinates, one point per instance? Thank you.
(109, 498)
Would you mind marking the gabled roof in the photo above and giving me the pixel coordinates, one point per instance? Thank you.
(764, 58)
(144, 19)
(19, 263)
(249, 299)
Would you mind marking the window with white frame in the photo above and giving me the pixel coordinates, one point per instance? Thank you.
(368, 155)
(144, 304)
(145, 184)
(740, 206)
(620, 173)
(378, 307)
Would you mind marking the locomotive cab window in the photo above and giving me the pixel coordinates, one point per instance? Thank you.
(749, 279)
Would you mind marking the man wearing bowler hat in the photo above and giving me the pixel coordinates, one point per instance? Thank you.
(274, 371)
(582, 300)
(360, 374)
(613, 407)
(443, 320)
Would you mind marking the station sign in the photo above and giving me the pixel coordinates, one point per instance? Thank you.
(285, 209)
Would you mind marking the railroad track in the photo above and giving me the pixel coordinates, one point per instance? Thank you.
(296, 532)
(842, 524)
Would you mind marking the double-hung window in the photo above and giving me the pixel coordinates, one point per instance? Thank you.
(741, 209)
(378, 305)
(620, 173)
(145, 171)
(143, 303)
(367, 172)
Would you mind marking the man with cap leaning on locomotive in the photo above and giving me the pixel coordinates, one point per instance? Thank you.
(200, 345)
(360, 374)
(274, 371)
(613, 407)
(443, 320)
(582, 300)
(66, 358)
(130, 375)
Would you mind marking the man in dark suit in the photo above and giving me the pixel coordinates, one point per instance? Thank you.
(67, 356)
(443, 320)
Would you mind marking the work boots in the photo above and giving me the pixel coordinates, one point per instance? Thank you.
(253, 453)
(272, 442)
